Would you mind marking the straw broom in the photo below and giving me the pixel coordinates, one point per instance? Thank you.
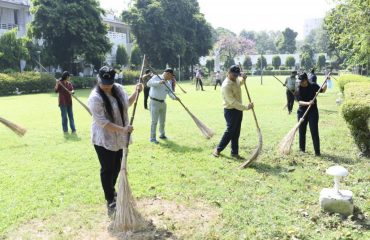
(207, 132)
(20, 131)
(257, 151)
(127, 217)
(286, 143)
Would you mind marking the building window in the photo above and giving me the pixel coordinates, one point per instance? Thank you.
(16, 16)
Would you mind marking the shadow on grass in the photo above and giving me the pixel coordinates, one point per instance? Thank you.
(174, 147)
(338, 159)
(72, 137)
(266, 168)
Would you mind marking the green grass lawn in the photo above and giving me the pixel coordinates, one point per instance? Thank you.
(46, 173)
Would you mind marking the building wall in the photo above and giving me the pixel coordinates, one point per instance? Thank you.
(14, 14)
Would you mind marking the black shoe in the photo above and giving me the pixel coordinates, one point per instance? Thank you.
(237, 156)
(163, 137)
(111, 207)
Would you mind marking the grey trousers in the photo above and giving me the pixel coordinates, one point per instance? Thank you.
(157, 112)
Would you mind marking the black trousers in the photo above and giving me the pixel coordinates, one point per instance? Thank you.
(218, 82)
(110, 163)
(146, 95)
(199, 82)
(290, 100)
(233, 119)
(312, 119)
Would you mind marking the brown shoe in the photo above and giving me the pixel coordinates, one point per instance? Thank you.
(216, 153)
(237, 156)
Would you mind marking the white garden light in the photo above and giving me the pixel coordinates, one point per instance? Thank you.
(338, 172)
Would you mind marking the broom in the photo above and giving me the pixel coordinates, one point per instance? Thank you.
(20, 131)
(257, 151)
(207, 132)
(78, 100)
(286, 143)
(177, 84)
(127, 217)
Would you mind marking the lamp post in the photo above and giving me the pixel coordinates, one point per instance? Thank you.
(178, 55)
(261, 67)
(39, 53)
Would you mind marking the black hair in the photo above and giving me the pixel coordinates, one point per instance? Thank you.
(108, 105)
(65, 75)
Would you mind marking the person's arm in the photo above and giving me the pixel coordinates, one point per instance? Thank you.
(132, 98)
(56, 88)
(70, 88)
(155, 81)
(303, 103)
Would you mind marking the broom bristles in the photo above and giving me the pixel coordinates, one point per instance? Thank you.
(207, 132)
(255, 153)
(127, 217)
(20, 131)
(286, 143)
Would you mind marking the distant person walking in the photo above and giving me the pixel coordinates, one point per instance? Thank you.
(198, 77)
(313, 77)
(290, 84)
(147, 76)
(65, 101)
(218, 79)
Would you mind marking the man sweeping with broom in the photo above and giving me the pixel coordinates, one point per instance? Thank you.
(306, 92)
(233, 111)
(108, 103)
(290, 88)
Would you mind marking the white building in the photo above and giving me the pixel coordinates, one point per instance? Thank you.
(14, 14)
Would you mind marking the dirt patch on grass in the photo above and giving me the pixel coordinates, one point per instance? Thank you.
(167, 220)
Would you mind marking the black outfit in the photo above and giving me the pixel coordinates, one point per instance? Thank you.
(218, 81)
(290, 100)
(110, 163)
(199, 82)
(146, 95)
(312, 118)
(313, 78)
(234, 119)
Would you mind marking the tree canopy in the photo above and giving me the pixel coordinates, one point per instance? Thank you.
(165, 29)
(12, 50)
(70, 29)
(286, 42)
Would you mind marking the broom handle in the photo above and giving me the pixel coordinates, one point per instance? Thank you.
(317, 93)
(283, 84)
(135, 102)
(78, 100)
(250, 100)
(180, 87)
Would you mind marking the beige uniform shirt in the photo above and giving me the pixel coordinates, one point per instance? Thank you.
(232, 96)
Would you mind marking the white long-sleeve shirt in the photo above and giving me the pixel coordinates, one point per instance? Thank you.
(158, 90)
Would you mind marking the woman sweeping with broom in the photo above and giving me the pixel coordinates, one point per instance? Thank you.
(108, 103)
(306, 92)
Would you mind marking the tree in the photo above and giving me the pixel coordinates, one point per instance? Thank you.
(12, 50)
(135, 56)
(321, 61)
(251, 35)
(276, 62)
(286, 42)
(70, 29)
(306, 57)
(229, 62)
(210, 64)
(290, 61)
(121, 55)
(264, 63)
(247, 64)
(162, 38)
(230, 47)
(265, 42)
(349, 30)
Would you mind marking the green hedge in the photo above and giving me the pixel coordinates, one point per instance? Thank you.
(347, 78)
(356, 112)
(26, 82)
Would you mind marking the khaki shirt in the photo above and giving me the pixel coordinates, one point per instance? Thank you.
(232, 96)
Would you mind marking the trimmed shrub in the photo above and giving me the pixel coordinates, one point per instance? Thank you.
(26, 82)
(356, 112)
(347, 78)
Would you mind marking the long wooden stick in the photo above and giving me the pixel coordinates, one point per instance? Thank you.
(283, 84)
(177, 84)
